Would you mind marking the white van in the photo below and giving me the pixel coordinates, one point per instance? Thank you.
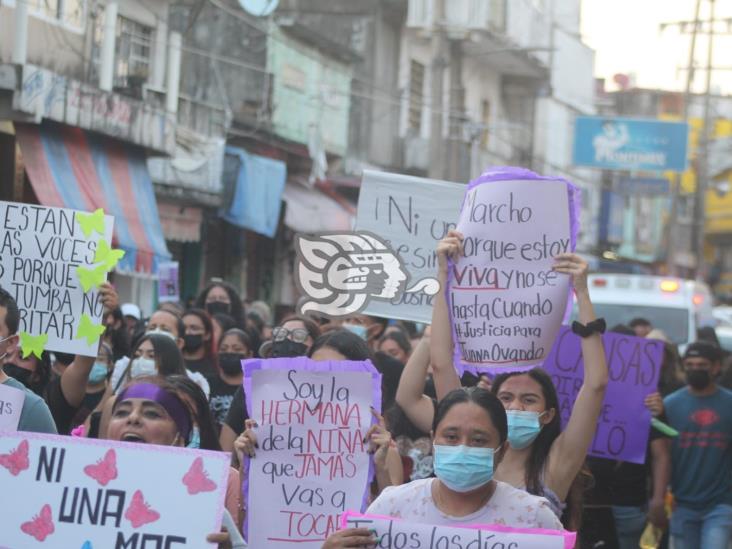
(676, 306)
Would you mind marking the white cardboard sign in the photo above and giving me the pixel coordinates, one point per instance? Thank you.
(40, 250)
(80, 493)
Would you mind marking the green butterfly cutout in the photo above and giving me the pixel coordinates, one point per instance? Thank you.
(91, 222)
(107, 255)
(32, 344)
(89, 330)
(91, 278)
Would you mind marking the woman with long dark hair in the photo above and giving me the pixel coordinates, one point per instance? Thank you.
(540, 458)
(221, 297)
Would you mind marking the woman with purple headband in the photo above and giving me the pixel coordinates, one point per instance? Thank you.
(149, 411)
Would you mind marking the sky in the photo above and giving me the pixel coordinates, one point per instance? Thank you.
(626, 37)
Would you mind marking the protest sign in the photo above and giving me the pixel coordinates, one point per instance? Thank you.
(505, 301)
(87, 493)
(411, 214)
(11, 404)
(52, 261)
(312, 462)
(393, 533)
(634, 365)
(168, 282)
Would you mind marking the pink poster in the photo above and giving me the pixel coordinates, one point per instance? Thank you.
(506, 303)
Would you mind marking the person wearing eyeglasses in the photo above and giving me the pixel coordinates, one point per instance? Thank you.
(293, 337)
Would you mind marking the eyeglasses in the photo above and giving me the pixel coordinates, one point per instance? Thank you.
(298, 335)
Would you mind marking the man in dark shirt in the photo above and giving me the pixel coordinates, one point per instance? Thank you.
(701, 456)
(35, 415)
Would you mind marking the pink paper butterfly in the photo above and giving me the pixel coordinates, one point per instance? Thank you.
(196, 479)
(103, 470)
(139, 512)
(41, 526)
(17, 460)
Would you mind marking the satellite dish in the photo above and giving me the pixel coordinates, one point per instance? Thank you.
(259, 8)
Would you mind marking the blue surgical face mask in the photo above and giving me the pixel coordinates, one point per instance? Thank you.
(98, 373)
(523, 427)
(357, 329)
(195, 441)
(463, 468)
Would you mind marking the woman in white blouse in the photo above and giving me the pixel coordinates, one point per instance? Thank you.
(469, 439)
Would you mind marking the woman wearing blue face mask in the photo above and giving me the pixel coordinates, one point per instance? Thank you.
(540, 458)
(469, 438)
(95, 385)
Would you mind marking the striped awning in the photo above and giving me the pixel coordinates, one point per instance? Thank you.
(71, 168)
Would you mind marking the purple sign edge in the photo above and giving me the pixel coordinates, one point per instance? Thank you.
(512, 173)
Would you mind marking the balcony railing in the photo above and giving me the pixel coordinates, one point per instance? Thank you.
(517, 21)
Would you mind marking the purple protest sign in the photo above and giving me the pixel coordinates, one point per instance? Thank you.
(506, 302)
(634, 364)
(312, 462)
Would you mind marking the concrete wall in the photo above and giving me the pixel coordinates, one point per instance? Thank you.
(51, 45)
(310, 91)
(384, 100)
(66, 49)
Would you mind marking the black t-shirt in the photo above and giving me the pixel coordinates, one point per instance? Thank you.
(61, 410)
(621, 482)
(203, 366)
(221, 397)
(237, 414)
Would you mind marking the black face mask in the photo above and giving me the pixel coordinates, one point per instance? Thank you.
(218, 307)
(698, 379)
(288, 348)
(230, 363)
(192, 342)
(21, 374)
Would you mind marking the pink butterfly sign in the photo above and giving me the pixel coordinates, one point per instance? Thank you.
(68, 492)
(104, 470)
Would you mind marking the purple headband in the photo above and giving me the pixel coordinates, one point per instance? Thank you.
(172, 404)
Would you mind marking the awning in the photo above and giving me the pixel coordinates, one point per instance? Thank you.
(310, 211)
(180, 223)
(71, 168)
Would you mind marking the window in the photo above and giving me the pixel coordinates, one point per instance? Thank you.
(132, 55)
(69, 12)
(132, 52)
(416, 95)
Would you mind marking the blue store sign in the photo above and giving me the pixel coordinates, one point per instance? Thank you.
(630, 144)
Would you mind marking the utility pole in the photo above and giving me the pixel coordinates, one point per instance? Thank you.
(440, 55)
(671, 224)
(703, 168)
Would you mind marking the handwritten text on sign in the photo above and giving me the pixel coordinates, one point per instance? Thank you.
(312, 462)
(11, 404)
(634, 366)
(411, 214)
(506, 303)
(396, 534)
(77, 492)
(40, 249)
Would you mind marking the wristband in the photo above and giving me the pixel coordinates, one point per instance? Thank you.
(595, 327)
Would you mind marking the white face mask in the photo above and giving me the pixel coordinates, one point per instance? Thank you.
(142, 366)
(3, 341)
(161, 332)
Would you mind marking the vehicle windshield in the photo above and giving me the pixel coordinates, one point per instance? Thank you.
(674, 322)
